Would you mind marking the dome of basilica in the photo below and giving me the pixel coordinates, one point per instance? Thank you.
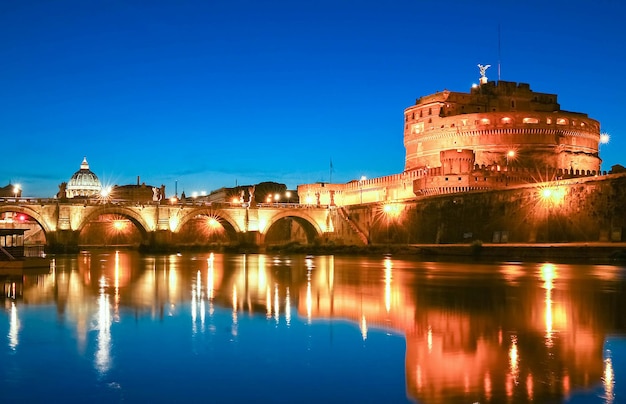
(83, 183)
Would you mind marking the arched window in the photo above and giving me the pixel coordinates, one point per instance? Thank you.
(531, 120)
(561, 121)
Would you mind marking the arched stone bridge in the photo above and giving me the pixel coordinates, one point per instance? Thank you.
(62, 221)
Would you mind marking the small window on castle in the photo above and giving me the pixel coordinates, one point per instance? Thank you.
(506, 120)
(452, 125)
(430, 111)
(512, 103)
(531, 120)
(446, 178)
(485, 121)
(420, 113)
(549, 121)
(582, 124)
(430, 120)
(493, 109)
(561, 121)
(459, 178)
(413, 115)
(464, 122)
(573, 123)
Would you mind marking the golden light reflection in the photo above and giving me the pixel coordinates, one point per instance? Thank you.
(210, 277)
(429, 339)
(363, 327)
(487, 386)
(388, 276)
(235, 304)
(608, 379)
(514, 360)
(172, 283)
(103, 324)
(548, 274)
(309, 300)
(529, 387)
(268, 302)
(276, 303)
(14, 326)
(288, 308)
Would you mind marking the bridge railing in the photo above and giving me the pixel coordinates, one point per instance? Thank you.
(123, 202)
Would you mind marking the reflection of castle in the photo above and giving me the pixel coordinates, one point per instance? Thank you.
(508, 333)
(499, 134)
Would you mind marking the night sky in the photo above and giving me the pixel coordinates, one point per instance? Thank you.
(210, 94)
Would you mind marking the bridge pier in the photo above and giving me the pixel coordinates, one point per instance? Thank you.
(62, 241)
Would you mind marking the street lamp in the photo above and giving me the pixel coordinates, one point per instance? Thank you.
(509, 156)
(16, 189)
(604, 139)
(363, 178)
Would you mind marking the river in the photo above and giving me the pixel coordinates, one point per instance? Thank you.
(119, 326)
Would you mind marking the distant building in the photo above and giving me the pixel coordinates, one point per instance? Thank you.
(83, 183)
(497, 135)
(137, 193)
(11, 190)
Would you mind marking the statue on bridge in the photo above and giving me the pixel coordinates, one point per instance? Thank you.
(251, 195)
(62, 191)
(156, 194)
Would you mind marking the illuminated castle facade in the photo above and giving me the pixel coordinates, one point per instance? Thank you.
(497, 135)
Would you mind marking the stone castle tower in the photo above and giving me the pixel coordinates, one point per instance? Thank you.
(503, 124)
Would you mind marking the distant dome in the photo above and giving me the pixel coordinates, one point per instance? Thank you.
(83, 182)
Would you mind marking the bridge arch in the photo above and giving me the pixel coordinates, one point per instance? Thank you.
(31, 212)
(129, 213)
(309, 225)
(223, 216)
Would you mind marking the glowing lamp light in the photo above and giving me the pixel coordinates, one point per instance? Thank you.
(392, 210)
(173, 200)
(604, 138)
(213, 223)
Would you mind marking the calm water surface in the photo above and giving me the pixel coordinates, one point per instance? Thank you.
(107, 327)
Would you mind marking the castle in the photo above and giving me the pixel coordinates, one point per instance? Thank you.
(498, 135)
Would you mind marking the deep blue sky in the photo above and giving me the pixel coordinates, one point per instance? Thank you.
(213, 93)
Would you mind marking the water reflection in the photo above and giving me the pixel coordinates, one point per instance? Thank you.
(474, 332)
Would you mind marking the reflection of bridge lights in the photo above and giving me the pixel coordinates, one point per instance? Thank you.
(363, 327)
(548, 273)
(388, 267)
(514, 359)
(608, 379)
(14, 326)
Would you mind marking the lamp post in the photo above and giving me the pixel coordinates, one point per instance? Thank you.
(16, 190)
(363, 178)
(604, 139)
(509, 155)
